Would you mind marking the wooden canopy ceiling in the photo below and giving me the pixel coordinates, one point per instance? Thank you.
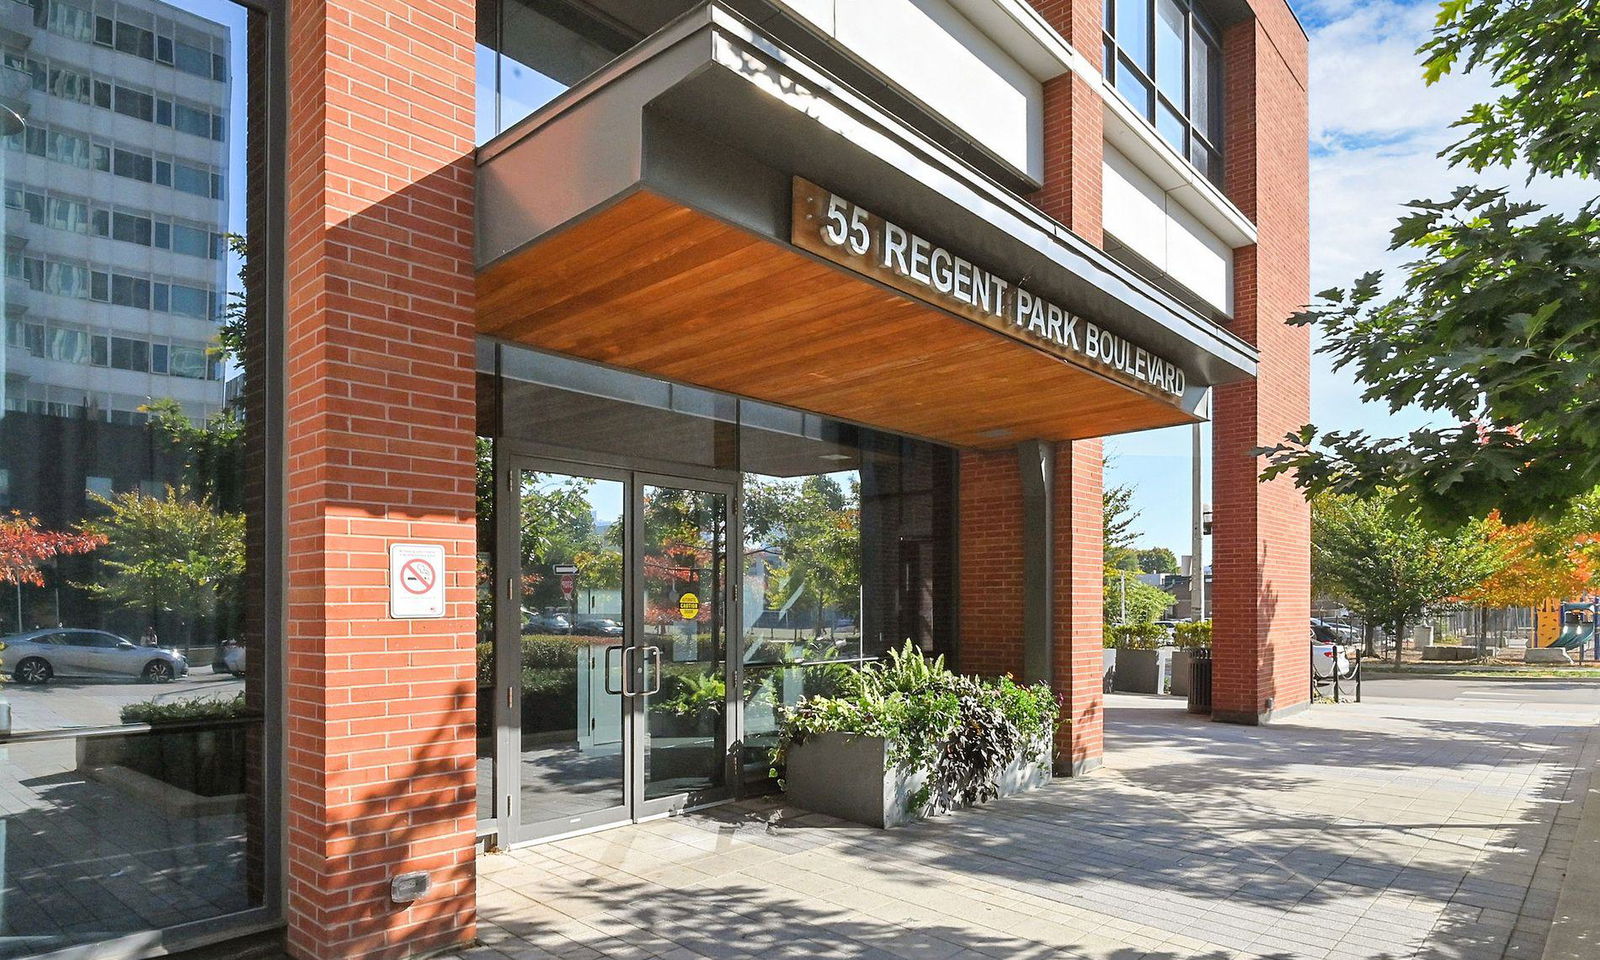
(653, 286)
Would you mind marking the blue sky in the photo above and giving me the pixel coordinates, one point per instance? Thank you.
(1376, 130)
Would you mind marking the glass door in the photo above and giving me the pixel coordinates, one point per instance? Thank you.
(611, 647)
(680, 631)
(564, 706)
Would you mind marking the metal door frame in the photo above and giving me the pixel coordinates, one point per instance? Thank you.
(507, 762)
(508, 655)
(675, 803)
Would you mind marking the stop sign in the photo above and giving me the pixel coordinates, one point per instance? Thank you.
(567, 582)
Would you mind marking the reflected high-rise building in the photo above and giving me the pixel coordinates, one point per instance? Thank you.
(116, 257)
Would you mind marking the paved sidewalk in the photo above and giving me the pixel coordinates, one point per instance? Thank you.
(1432, 828)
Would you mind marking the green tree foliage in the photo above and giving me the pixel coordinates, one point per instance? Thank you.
(1118, 516)
(1388, 566)
(1157, 560)
(1145, 603)
(175, 552)
(815, 528)
(1494, 327)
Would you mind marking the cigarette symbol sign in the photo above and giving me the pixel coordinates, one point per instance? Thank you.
(417, 576)
(416, 580)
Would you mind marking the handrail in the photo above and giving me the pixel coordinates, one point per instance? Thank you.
(89, 733)
(811, 663)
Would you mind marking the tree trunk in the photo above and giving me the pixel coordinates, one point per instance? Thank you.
(1399, 641)
(1370, 632)
(1483, 632)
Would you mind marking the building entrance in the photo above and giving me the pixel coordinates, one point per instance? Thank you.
(611, 646)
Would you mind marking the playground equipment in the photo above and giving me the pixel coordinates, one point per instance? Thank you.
(1569, 625)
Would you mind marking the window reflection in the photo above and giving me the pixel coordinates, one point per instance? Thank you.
(531, 51)
(126, 422)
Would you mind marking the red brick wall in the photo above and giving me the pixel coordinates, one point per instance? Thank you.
(380, 740)
(1079, 584)
(1073, 125)
(990, 556)
(1261, 551)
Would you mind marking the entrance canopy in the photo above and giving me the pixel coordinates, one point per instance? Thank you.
(713, 209)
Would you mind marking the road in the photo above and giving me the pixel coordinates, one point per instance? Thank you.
(93, 703)
(1534, 693)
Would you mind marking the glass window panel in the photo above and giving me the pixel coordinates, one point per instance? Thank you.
(1133, 30)
(1135, 90)
(1204, 67)
(1171, 127)
(1171, 77)
(191, 302)
(88, 419)
(540, 49)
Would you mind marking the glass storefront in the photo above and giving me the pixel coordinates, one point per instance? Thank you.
(681, 564)
(133, 620)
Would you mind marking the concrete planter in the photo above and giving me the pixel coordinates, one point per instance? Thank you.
(849, 777)
(1142, 671)
(1179, 686)
(1449, 653)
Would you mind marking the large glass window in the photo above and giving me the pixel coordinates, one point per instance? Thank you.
(133, 620)
(1164, 57)
(531, 51)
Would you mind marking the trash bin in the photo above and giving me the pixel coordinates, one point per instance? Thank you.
(1200, 680)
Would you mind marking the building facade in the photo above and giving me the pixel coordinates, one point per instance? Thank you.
(580, 383)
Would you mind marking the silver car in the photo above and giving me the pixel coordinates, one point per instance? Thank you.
(37, 656)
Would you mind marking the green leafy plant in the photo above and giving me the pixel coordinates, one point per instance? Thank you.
(1191, 635)
(1137, 635)
(963, 731)
(697, 694)
(194, 708)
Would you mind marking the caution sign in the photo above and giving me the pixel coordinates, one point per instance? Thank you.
(416, 580)
(689, 606)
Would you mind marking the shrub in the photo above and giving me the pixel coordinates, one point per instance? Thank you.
(962, 730)
(1146, 635)
(174, 711)
(1191, 635)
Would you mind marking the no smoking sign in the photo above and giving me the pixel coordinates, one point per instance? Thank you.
(416, 580)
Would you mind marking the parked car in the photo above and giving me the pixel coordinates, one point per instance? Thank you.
(39, 655)
(547, 623)
(229, 658)
(598, 627)
(1332, 660)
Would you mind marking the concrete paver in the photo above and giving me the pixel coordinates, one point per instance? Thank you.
(1433, 826)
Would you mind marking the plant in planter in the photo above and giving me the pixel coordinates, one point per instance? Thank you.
(188, 770)
(695, 705)
(919, 738)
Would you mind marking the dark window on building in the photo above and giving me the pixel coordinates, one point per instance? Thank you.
(134, 103)
(1165, 58)
(130, 229)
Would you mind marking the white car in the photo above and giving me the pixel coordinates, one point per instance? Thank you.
(1332, 660)
(229, 658)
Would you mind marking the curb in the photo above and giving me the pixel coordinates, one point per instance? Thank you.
(1508, 677)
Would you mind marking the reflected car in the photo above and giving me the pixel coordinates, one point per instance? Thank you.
(599, 627)
(547, 623)
(40, 655)
(229, 658)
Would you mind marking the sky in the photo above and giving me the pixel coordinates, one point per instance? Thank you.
(1376, 131)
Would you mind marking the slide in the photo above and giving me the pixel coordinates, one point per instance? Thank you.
(1575, 636)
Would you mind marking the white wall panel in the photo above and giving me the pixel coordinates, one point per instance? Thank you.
(1152, 224)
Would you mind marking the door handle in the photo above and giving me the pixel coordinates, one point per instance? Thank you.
(647, 652)
(625, 662)
(607, 655)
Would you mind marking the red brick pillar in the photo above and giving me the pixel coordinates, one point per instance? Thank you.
(990, 556)
(1074, 152)
(1261, 532)
(1079, 613)
(380, 742)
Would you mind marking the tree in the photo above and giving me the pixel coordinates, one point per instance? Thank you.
(1496, 324)
(1118, 516)
(814, 526)
(1145, 603)
(24, 547)
(1157, 560)
(177, 552)
(1388, 566)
